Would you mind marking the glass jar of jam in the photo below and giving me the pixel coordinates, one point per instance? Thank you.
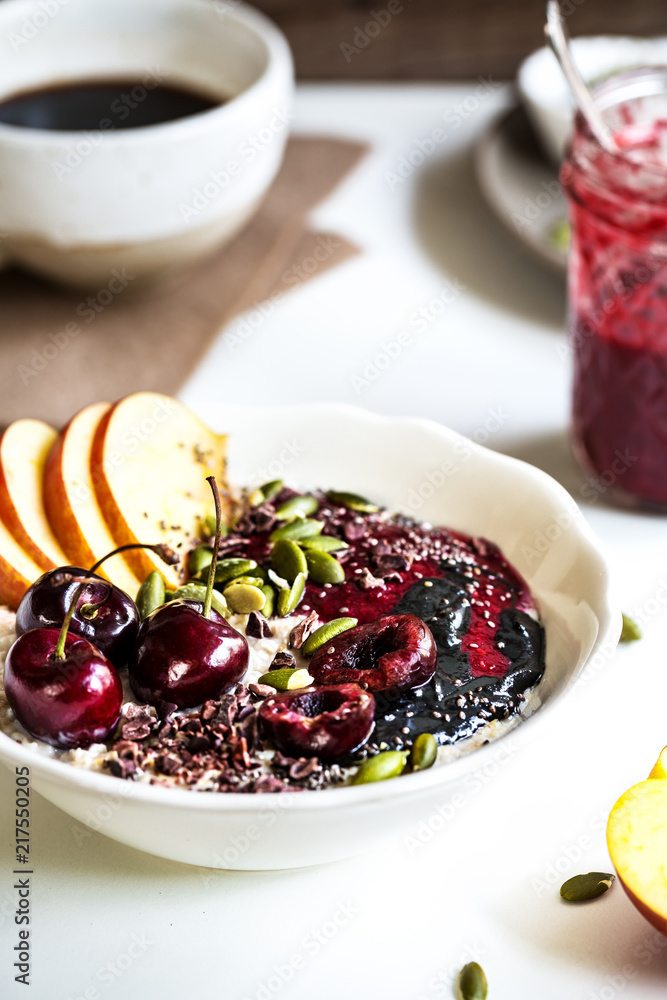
(617, 289)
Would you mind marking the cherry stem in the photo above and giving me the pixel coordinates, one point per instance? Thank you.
(216, 545)
(59, 651)
(163, 551)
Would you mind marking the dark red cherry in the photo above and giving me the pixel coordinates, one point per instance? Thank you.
(112, 626)
(68, 702)
(392, 653)
(184, 658)
(324, 722)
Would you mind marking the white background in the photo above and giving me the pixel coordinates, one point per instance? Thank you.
(482, 880)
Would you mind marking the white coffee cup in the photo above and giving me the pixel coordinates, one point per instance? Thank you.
(77, 206)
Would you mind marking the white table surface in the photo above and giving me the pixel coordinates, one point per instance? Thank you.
(110, 922)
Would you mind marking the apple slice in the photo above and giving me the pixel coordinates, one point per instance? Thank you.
(71, 504)
(149, 463)
(637, 841)
(24, 447)
(17, 569)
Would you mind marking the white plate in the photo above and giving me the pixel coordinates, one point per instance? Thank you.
(442, 477)
(521, 187)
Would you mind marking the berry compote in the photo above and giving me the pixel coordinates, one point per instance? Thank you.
(617, 286)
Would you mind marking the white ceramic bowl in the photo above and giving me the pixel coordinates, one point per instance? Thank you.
(546, 95)
(413, 465)
(77, 206)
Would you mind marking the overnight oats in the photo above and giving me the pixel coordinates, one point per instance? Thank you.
(323, 641)
(617, 288)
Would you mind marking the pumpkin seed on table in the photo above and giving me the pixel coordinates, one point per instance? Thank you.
(352, 501)
(287, 560)
(424, 752)
(323, 568)
(325, 633)
(197, 592)
(380, 767)
(227, 569)
(581, 888)
(199, 560)
(323, 543)
(300, 506)
(243, 598)
(287, 679)
(472, 982)
(151, 594)
(288, 600)
(300, 527)
(631, 630)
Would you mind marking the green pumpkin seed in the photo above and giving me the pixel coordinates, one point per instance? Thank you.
(325, 633)
(271, 489)
(256, 498)
(270, 595)
(631, 630)
(250, 581)
(301, 527)
(287, 560)
(286, 679)
(199, 561)
(300, 506)
(323, 568)
(227, 569)
(151, 594)
(472, 982)
(243, 599)
(323, 543)
(581, 888)
(380, 767)
(197, 592)
(352, 501)
(424, 752)
(288, 600)
(277, 581)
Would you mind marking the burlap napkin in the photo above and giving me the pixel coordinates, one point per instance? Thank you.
(59, 352)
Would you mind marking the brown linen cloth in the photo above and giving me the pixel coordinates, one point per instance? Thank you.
(59, 351)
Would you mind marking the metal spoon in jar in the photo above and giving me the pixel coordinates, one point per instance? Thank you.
(558, 38)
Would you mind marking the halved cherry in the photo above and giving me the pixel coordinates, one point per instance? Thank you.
(324, 722)
(394, 652)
